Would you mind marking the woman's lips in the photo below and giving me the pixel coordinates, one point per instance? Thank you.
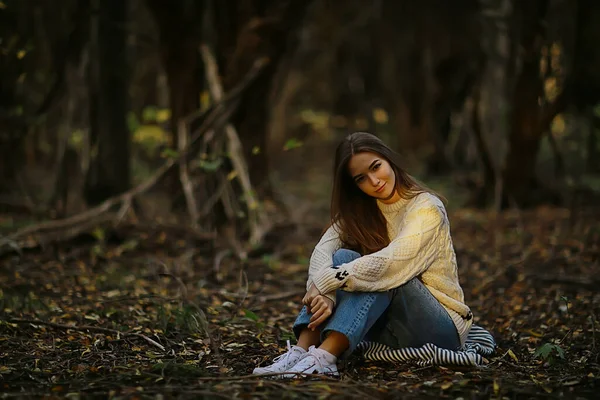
(381, 188)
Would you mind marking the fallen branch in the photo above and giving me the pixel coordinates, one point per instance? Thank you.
(87, 328)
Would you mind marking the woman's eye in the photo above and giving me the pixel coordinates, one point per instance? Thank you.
(359, 179)
(376, 167)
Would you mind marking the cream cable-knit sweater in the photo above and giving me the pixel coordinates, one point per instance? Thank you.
(421, 246)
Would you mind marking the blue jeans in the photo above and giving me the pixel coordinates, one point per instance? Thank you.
(407, 316)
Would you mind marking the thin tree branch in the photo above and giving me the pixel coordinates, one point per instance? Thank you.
(184, 176)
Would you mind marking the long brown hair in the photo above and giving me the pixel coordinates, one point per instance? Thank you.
(360, 223)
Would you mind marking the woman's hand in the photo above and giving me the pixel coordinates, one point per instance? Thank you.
(310, 296)
(322, 308)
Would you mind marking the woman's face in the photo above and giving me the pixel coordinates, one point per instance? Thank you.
(374, 175)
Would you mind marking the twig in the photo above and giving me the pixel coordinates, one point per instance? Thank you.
(184, 292)
(123, 210)
(184, 176)
(217, 262)
(212, 200)
(88, 328)
(255, 215)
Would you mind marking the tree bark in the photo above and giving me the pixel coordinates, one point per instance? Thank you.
(180, 25)
(108, 174)
(245, 33)
(526, 130)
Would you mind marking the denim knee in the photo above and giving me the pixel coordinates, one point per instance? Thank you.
(343, 256)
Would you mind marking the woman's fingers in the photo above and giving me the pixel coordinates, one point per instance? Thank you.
(305, 300)
(317, 311)
(317, 300)
(323, 315)
(321, 311)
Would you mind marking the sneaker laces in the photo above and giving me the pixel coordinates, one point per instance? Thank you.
(284, 357)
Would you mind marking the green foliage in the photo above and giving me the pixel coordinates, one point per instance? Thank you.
(153, 114)
(210, 165)
(287, 334)
(291, 144)
(133, 123)
(169, 153)
(271, 261)
(250, 315)
(187, 319)
(549, 353)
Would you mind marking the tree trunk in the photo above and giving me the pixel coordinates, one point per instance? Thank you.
(526, 129)
(180, 25)
(244, 34)
(108, 174)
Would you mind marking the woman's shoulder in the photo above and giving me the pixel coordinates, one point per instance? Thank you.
(427, 205)
(426, 199)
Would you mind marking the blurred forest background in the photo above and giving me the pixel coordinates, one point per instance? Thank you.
(215, 122)
(498, 102)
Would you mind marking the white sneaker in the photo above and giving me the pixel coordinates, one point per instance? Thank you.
(283, 362)
(317, 361)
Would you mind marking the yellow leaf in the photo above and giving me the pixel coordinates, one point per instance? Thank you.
(204, 100)
(512, 355)
(4, 369)
(163, 115)
(231, 175)
(21, 54)
(446, 385)
(496, 387)
(380, 116)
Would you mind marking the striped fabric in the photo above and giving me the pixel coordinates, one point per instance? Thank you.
(479, 343)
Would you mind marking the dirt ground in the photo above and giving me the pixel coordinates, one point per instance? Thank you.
(157, 315)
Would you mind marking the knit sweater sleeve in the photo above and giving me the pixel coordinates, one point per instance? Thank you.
(403, 259)
(322, 257)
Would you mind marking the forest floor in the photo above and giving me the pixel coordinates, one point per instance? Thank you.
(154, 315)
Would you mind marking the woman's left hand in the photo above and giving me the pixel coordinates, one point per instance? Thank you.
(322, 308)
(310, 296)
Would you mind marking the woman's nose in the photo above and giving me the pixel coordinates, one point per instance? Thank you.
(374, 180)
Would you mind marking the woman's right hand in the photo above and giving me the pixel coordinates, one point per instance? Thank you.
(321, 308)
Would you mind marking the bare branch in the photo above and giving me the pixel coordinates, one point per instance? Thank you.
(184, 176)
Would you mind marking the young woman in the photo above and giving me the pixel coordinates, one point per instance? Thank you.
(384, 271)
